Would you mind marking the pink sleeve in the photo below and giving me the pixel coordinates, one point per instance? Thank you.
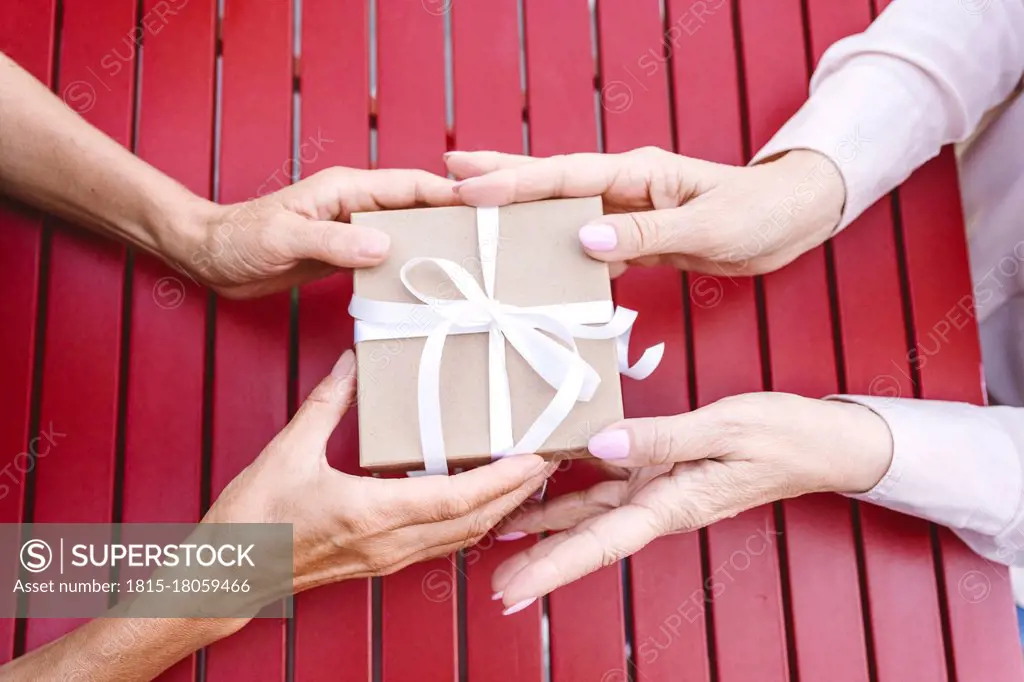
(958, 465)
(922, 75)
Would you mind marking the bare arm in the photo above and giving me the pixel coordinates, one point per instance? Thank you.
(53, 159)
(119, 649)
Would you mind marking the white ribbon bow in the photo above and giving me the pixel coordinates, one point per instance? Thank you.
(531, 330)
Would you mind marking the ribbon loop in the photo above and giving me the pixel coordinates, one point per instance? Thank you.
(545, 337)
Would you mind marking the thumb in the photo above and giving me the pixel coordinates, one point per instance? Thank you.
(627, 236)
(318, 416)
(338, 244)
(657, 441)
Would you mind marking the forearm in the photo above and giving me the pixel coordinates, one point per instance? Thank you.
(118, 649)
(53, 159)
(883, 102)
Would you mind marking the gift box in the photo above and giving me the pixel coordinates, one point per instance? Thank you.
(486, 332)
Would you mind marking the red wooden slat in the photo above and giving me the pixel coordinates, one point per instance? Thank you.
(983, 639)
(828, 632)
(332, 625)
(743, 560)
(559, 77)
(488, 103)
(488, 96)
(83, 320)
(26, 36)
(165, 382)
(163, 423)
(669, 630)
(898, 563)
(251, 347)
(419, 628)
(585, 618)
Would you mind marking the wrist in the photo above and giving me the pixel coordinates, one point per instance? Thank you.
(861, 447)
(184, 235)
(815, 183)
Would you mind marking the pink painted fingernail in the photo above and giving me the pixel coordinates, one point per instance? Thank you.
(610, 445)
(516, 608)
(509, 537)
(497, 595)
(598, 237)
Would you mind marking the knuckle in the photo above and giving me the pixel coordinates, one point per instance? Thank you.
(646, 233)
(609, 553)
(663, 443)
(378, 563)
(476, 530)
(648, 152)
(455, 506)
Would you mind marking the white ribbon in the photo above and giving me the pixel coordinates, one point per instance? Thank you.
(531, 330)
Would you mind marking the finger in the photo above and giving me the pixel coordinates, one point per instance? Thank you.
(472, 528)
(338, 244)
(507, 569)
(304, 271)
(429, 499)
(566, 511)
(657, 441)
(317, 417)
(403, 188)
(514, 564)
(574, 175)
(633, 236)
(601, 542)
(471, 164)
(337, 193)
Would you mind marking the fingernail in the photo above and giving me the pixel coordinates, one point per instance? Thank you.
(610, 445)
(516, 608)
(460, 183)
(598, 237)
(497, 595)
(509, 537)
(343, 367)
(374, 244)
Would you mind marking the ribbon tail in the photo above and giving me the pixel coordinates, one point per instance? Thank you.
(643, 367)
(429, 402)
(554, 414)
(502, 439)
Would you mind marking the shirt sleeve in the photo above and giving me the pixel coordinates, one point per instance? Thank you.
(958, 465)
(922, 75)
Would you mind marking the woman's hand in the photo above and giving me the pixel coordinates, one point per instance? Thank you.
(673, 210)
(352, 526)
(689, 471)
(297, 233)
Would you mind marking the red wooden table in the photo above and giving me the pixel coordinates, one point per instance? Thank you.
(166, 393)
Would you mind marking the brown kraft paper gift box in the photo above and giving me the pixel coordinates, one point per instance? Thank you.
(540, 262)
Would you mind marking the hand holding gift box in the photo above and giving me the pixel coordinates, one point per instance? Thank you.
(436, 321)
